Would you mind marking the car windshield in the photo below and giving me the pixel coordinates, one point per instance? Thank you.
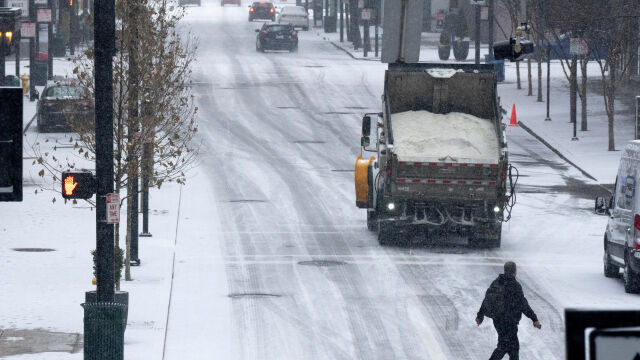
(65, 91)
(293, 10)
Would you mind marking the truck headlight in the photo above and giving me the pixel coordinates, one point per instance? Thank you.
(496, 209)
(391, 206)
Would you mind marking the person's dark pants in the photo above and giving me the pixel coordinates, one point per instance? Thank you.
(507, 340)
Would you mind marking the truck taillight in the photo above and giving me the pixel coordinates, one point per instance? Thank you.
(294, 34)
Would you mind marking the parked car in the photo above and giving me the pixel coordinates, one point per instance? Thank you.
(225, 2)
(62, 104)
(262, 10)
(622, 236)
(294, 15)
(189, 2)
(561, 49)
(276, 37)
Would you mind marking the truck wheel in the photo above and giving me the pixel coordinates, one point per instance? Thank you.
(630, 278)
(610, 270)
(372, 220)
(386, 233)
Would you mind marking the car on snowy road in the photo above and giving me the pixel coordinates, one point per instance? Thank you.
(262, 10)
(622, 235)
(64, 105)
(294, 15)
(276, 37)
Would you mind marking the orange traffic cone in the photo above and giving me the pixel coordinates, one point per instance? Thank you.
(514, 121)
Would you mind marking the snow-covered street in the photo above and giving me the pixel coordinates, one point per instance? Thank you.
(263, 253)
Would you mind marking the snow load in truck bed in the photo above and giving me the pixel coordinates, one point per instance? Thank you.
(422, 136)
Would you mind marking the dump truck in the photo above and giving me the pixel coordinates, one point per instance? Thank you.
(441, 159)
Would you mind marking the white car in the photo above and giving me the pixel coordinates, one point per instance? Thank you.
(294, 15)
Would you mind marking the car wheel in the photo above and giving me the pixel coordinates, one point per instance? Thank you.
(610, 270)
(630, 277)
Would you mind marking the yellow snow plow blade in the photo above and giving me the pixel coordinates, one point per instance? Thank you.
(362, 181)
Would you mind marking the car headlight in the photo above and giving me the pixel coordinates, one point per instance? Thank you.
(391, 206)
(496, 209)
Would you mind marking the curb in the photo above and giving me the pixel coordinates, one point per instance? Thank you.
(350, 54)
(29, 124)
(556, 151)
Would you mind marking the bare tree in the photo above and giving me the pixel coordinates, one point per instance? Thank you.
(164, 57)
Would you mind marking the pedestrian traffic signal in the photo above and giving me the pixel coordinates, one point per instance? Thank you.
(78, 185)
(10, 144)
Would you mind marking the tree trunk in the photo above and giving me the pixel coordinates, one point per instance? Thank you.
(583, 94)
(610, 93)
(529, 83)
(539, 60)
(127, 257)
(518, 75)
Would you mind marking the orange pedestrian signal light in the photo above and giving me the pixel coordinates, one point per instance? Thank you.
(70, 3)
(78, 185)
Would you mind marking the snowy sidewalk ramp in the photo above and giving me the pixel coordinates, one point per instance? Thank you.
(18, 342)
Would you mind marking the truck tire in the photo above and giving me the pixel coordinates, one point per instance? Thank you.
(386, 233)
(372, 220)
(610, 270)
(631, 283)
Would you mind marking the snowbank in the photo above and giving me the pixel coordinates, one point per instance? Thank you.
(422, 136)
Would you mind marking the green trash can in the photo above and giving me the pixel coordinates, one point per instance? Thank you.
(104, 325)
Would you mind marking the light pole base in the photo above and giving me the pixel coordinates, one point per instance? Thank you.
(547, 119)
(134, 262)
(145, 234)
(574, 138)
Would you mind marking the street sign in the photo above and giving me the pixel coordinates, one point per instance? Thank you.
(360, 4)
(22, 4)
(113, 208)
(366, 14)
(43, 15)
(578, 47)
(28, 30)
(479, 2)
(484, 13)
(40, 2)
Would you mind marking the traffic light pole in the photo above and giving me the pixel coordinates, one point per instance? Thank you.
(477, 34)
(50, 44)
(104, 35)
(2, 63)
(32, 51)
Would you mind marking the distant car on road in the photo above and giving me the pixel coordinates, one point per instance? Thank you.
(225, 2)
(622, 236)
(276, 37)
(294, 15)
(64, 103)
(189, 2)
(262, 10)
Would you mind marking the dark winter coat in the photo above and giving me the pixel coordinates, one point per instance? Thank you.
(515, 304)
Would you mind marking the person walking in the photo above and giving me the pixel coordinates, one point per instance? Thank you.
(505, 303)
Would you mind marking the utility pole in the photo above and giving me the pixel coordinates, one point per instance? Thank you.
(543, 37)
(32, 51)
(50, 43)
(134, 134)
(574, 95)
(341, 21)
(104, 35)
(377, 25)
(17, 45)
(491, 26)
(477, 34)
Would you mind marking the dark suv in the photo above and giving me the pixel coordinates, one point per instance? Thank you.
(262, 10)
(277, 37)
